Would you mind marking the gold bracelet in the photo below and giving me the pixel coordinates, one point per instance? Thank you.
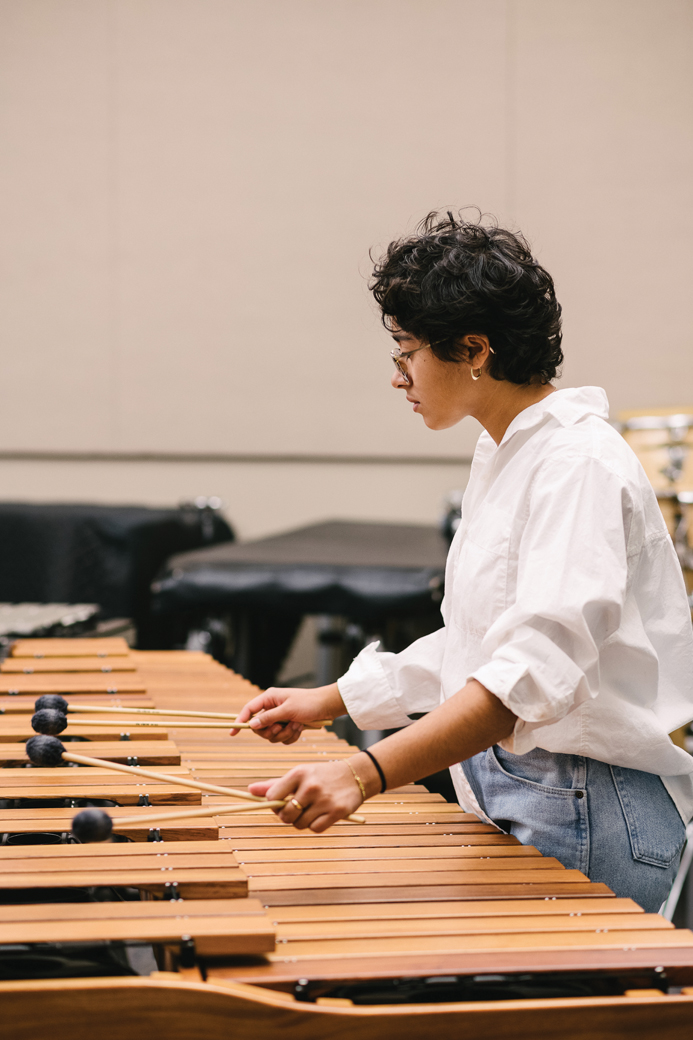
(358, 780)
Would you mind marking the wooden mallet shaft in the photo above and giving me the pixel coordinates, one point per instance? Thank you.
(179, 725)
(175, 712)
(197, 785)
(167, 778)
(212, 810)
(183, 712)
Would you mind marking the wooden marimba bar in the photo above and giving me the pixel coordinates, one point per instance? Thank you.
(420, 920)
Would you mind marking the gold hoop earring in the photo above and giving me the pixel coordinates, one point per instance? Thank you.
(477, 376)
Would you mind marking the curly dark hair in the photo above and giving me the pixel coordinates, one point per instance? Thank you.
(454, 278)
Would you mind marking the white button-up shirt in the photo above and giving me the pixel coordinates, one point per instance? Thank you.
(563, 597)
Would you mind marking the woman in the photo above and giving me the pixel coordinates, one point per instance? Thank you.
(566, 653)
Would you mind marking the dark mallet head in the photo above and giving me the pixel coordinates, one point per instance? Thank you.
(45, 751)
(92, 825)
(53, 701)
(49, 721)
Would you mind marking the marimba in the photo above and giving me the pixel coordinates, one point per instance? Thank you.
(421, 920)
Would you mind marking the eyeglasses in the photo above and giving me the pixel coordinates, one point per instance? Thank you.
(398, 356)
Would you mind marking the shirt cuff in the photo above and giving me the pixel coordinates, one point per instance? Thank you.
(367, 694)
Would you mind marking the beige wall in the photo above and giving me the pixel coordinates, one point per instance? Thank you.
(190, 189)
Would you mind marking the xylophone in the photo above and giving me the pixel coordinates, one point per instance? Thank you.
(420, 920)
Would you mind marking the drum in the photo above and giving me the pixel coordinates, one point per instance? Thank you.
(663, 444)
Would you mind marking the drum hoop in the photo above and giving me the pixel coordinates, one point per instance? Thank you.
(658, 422)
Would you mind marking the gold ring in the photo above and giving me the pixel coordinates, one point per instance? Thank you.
(295, 801)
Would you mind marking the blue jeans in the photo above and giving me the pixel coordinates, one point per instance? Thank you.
(618, 826)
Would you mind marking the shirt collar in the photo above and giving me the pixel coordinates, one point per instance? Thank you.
(566, 406)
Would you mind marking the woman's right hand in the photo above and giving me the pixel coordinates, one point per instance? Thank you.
(280, 714)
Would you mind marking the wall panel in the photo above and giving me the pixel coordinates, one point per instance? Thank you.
(189, 190)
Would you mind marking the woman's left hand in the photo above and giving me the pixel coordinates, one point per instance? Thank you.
(325, 793)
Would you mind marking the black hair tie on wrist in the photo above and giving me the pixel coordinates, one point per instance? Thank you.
(374, 760)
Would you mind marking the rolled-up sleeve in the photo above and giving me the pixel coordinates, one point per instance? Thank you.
(383, 690)
(542, 653)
